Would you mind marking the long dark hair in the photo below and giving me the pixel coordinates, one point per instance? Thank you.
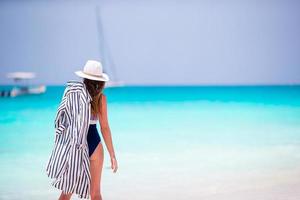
(95, 89)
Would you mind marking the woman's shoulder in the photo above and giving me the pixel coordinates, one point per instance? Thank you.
(103, 101)
(74, 86)
(102, 97)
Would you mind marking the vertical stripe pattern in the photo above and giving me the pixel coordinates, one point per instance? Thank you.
(69, 161)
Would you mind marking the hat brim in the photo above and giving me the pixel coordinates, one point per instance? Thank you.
(104, 76)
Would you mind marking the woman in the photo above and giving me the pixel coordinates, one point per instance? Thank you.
(76, 161)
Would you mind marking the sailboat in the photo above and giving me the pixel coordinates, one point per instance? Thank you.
(105, 54)
(21, 86)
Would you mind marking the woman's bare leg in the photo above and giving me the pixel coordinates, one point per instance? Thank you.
(96, 165)
(65, 196)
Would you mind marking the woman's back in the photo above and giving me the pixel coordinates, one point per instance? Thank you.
(94, 119)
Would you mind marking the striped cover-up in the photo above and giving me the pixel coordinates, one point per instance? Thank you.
(69, 161)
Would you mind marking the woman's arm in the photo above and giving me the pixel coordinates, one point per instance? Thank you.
(105, 130)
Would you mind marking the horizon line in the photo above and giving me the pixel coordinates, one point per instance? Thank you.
(181, 85)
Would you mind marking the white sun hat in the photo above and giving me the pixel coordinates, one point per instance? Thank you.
(93, 70)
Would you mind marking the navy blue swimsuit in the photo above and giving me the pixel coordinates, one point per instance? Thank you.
(93, 138)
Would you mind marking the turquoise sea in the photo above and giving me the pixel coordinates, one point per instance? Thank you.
(171, 142)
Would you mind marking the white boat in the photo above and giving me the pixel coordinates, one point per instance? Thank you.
(22, 88)
(114, 84)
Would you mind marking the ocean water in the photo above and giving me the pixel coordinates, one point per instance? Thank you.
(184, 142)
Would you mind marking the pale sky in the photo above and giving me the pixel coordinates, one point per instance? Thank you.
(158, 42)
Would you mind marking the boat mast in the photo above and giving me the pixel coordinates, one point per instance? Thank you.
(103, 47)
